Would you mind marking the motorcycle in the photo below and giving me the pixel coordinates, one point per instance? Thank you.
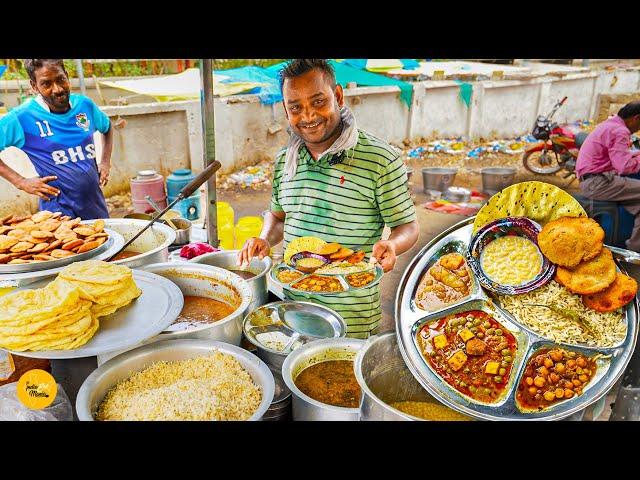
(558, 148)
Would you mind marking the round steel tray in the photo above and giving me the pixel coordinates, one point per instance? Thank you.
(104, 251)
(409, 319)
(341, 277)
(61, 262)
(147, 316)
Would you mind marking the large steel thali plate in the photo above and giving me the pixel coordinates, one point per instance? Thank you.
(151, 313)
(111, 246)
(409, 318)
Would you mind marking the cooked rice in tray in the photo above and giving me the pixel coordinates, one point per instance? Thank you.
(213, 387)
(610, 328)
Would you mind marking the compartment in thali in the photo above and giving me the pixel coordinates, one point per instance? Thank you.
(555, 314)
(473, 349)
(320, 284)
(445, 280)
(285, 275)
(559, 377)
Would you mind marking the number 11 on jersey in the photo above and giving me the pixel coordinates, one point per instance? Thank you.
(48, 132)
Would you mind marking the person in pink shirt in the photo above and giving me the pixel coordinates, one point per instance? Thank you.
(605, 159)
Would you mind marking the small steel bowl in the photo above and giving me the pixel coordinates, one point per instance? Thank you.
(301, 255)
(517, 226)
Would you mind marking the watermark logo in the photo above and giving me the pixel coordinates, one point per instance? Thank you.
(37, 389)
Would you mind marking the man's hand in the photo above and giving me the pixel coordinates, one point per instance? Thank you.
(39, 186)
(105, 168)
(254, 247)
(385, 252)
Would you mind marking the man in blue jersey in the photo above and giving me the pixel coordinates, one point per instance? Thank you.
(55, 130)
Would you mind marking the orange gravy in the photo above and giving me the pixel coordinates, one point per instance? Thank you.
(198, 311)
(125, 254)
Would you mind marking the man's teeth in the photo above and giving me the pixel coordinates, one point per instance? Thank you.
(312, 125)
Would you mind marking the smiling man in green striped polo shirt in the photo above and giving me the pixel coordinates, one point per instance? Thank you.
(338, 183)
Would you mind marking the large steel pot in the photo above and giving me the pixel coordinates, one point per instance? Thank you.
(384, 378)
(305, 407)
(228, 259)
(210, 282)
(153, 243)
(96, 386)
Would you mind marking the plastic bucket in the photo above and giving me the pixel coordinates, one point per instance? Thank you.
(437, 178)
(495, 179)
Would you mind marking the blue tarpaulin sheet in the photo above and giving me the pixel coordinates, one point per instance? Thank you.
(2, 69)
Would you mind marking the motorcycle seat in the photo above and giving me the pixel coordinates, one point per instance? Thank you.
(580, 138)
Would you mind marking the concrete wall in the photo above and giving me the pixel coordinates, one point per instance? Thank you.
(167, 136)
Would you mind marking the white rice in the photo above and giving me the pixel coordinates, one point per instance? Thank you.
(609, 328)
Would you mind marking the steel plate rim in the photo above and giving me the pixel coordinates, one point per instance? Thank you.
(175, 302)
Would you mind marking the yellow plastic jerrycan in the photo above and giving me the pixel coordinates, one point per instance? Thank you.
(246, 228)
(226, 219)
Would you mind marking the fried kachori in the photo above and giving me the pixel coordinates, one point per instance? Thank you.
(589, 277)
(47, 232)
(568, 241)
(617, 295)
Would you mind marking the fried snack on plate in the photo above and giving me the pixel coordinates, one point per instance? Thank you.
(568, 241)
(617, 295)
(355, 258)
(538, 201)
(589, 277)
(341, 254)
(41, 216)
(329, 249)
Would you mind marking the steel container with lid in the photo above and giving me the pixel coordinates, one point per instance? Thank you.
(147, 182)
(278, 328)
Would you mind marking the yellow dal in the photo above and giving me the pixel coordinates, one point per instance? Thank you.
(511, 260)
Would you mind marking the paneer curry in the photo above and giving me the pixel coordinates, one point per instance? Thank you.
(472, 352)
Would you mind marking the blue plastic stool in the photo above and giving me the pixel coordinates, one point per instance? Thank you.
(616, 222)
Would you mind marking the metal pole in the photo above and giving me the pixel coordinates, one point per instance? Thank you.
(209, 146)
(83, 88)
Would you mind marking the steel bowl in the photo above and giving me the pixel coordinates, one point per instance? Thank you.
(210, 282)
(96, 386)
(183, 232)
(227, 259)
(153, 243)
(305, 407)
(384, 379)
(276, 358)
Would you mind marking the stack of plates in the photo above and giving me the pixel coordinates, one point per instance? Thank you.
(280, 408)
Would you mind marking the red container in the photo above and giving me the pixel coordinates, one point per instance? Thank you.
(148, 182)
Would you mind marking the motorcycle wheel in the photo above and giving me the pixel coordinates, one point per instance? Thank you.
(540, 162)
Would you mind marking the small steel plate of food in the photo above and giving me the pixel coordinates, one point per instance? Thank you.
(312, 265)
(559, 337)
(505, 257)
(278, 328)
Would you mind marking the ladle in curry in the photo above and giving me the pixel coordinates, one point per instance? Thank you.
(187, 191)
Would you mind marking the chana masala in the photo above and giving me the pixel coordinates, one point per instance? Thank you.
(471, 351)
(553, 375)
(316, 283)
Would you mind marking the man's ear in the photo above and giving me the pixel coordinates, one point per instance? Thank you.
(339, 93)
(33, 86)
